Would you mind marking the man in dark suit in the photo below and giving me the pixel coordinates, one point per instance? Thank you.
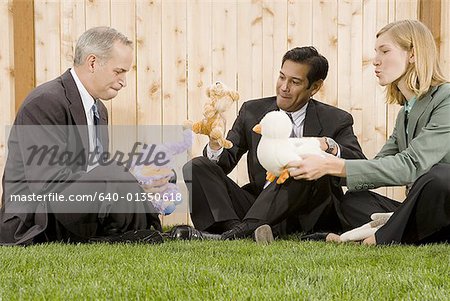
(55, 149)
(220, 206)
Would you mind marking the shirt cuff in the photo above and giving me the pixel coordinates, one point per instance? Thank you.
(338, 154)
(213, 155)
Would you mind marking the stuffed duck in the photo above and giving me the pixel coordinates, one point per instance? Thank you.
(275, 149)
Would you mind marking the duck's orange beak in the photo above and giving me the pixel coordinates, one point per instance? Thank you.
(257, 129)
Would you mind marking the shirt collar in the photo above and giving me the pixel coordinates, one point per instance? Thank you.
(299, 116)
(409, 103)
(86, 98)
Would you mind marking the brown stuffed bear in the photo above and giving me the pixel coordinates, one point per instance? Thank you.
(213, 123)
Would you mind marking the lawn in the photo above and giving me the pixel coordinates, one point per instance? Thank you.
(229, 270)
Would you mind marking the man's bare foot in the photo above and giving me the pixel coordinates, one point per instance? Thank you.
(331, 237)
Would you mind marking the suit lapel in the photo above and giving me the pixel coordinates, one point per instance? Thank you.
(271, 107)
(417, 110)
(313, 125)
(76, 108)
(104, 125)
(401, 136)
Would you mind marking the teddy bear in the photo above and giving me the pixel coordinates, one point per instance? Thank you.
(164, 202)
(213, 123)
(276, 149)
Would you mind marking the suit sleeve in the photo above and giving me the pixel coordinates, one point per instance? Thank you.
(42, 141)
(429, 147)
(237, 134)
(348, 143)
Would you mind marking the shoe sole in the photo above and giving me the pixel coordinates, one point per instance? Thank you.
(263, 235)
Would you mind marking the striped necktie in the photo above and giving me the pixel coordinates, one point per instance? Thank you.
(293, 135)
(98, 141)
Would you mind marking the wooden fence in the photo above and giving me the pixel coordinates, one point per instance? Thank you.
(183, 46)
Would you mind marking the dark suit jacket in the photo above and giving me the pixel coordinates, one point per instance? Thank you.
(52, 114)
(321, 120)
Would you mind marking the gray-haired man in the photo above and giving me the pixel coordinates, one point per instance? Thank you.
(59, 116)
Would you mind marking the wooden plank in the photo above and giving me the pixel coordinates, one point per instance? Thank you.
(445, 38)
(174, 77)
(48, 40)
(149, 71)
(380, 106)
(325, 39)
(72, 26)
(300, 19)
(6, 78)
(350, 64)
(406, 9)
(199, 50)
(250, 49)
(430, 14)
(123, 106)
(250, 63)
(224, 54)
(98, 13)
(274, 42)
(148, 57)
(24, 60)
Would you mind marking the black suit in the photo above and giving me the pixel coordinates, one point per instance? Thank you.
(53, 115)
(215, 198)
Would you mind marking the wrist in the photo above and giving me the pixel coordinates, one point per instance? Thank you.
(214, 145)
(336, 166)
(331, 146)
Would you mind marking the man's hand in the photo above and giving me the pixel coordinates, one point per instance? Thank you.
(159, 178)
(156, 186)
(214, 143)
(313, 167)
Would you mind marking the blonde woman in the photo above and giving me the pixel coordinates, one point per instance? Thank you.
(417, 154)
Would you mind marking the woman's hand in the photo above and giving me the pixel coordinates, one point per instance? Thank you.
(313, 167)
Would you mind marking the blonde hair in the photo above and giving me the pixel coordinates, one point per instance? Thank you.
(424, 72)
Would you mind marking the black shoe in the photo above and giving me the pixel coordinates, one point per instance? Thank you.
(263, 235)
(146, 236)
(241, 230)
(185, 232)
(319, 236)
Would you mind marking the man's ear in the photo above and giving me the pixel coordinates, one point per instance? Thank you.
(91, 60)
(315, 87)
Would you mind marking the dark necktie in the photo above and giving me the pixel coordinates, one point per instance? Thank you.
(293, 135)
(98, 141)
(406, 126)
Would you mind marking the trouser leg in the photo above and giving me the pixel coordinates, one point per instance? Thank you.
(215, 198)
(310, 204)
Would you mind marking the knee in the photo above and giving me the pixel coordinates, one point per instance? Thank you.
(197, 166)
(439, 178)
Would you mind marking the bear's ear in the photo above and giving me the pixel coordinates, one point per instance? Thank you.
(234, 95)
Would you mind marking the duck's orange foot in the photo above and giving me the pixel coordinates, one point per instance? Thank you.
(270, 177)
(283, 176)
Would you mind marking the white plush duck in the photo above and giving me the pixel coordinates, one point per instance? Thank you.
(276, 149)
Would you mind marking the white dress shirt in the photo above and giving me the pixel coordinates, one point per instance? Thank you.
(88, 102)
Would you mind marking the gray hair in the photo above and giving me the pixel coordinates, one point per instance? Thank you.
(98, 41)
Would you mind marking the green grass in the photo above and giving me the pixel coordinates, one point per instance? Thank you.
(230, 270)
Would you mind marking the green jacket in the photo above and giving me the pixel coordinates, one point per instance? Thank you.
(400, 162)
